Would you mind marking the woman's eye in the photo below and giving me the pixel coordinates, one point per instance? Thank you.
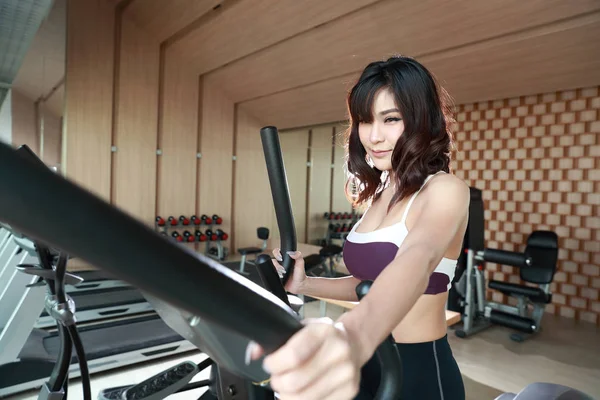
(392, 119)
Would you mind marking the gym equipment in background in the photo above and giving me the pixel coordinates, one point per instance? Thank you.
(99, 298)
(263, 234)
(537, 265)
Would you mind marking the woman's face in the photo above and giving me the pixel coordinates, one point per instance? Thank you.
(380, 136)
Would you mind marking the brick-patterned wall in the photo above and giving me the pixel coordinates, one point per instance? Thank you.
(537, 160)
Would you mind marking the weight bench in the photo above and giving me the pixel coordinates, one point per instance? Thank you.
(323, 262)
(537, 265)
(263, 234)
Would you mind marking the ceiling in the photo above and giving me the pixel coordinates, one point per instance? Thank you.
(290, 63)
(42, 71)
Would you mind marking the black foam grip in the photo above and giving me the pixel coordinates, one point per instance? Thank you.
(389, 358)
(512, 321)
(281, 196)
(268, 273)
(504, 257)
(46, 206)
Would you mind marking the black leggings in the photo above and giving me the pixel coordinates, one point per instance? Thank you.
(429, 372)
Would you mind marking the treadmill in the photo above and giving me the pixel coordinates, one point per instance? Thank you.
(100, 300)
(28, 354)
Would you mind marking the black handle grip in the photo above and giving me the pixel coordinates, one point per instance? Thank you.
(270, 277)
(281, 196)
(504, 257)
(389, 358)
(48, 207)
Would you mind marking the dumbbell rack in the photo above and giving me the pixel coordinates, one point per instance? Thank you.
(170, 225)
(337, 231)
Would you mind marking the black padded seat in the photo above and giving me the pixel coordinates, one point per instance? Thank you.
(331, 250)
(312, 261)
(512, 289)
(249, 250)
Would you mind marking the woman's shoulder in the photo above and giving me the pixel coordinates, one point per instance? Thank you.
(446, 187)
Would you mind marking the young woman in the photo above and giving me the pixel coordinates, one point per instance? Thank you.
(407, 242)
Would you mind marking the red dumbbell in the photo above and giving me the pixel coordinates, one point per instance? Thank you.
(177, 236)
(160, 221)
(201, 237)
(222, 235)
(217, 220)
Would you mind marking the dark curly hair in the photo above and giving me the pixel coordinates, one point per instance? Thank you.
(425, 145)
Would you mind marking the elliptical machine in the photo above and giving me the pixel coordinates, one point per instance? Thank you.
(537, 265)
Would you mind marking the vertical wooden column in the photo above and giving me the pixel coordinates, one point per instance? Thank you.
(24, 122)
(320, 182)
(177, 142)
(136, 121)
(216, 146)
(294, 146)
(253, 203)
(339, 202)
(89, 94)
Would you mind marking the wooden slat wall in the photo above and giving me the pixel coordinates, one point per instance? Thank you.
(178, 138)
(135, 136)
(253, 203)
(216, 146)
(89, 94)
(320, 182)
(24, 121)
(294, 146)
(339, 202)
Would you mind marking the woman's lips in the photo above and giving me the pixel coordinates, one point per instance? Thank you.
(381, 153)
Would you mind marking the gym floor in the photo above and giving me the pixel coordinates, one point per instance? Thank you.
(566, 352)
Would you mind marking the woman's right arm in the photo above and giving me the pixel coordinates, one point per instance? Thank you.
(331, 288)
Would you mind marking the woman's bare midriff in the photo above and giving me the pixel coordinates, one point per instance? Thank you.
(425, 322)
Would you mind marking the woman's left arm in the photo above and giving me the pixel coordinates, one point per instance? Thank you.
(405, 279)
(323, 360)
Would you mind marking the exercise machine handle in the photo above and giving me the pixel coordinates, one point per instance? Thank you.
(504, 257)
(281, 196)
(389, 358)
(43, 205)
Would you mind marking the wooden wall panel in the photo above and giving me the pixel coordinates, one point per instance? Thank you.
(253, 203)
(135, 136)
(50, 135)
(347, 44)
(339, 202)
(216, 145)
(89, 94)
(294, 146)
(245, 27)
(24, 122)
(178, 139)
(320, 103)
(162, 19)
(320, 182)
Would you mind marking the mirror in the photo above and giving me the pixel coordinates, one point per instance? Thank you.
(37, 94)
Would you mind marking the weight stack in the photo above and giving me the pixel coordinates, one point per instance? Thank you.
(522, 324)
